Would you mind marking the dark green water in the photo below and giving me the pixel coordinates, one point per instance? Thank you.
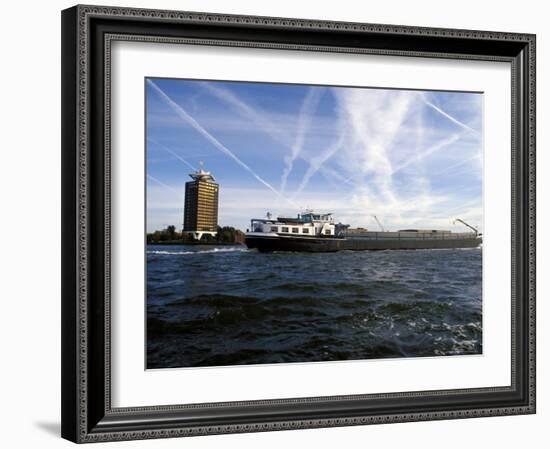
(209, 306)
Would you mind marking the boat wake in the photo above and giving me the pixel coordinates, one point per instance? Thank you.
(194, 253)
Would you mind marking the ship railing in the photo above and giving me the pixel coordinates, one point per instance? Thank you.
(410, 236)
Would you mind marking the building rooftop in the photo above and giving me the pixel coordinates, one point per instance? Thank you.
(202, 175)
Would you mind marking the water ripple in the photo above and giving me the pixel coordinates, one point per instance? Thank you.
(234, 306)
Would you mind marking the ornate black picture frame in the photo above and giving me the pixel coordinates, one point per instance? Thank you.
(87, 34)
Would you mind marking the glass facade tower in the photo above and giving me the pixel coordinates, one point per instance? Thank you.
(201, 203)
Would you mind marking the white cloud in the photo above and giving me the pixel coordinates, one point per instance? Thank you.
(382, 158)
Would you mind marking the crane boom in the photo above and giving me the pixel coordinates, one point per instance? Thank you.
(379, 224)
(466, 224)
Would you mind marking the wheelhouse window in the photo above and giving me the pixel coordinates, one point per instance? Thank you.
(274, 229)
(305, 230)
(295, 230)
(327, 231)
(284, 229)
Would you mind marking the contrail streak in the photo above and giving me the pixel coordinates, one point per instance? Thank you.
(451, 118)
(316, 163)
(177, 156)
(254, 114)
(307, 109)
(458, 164)
(264, 124)
(432, 149)
(186, 117)
(241, 106)
(331, 174)
(159, 182)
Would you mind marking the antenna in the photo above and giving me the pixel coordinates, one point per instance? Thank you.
(379, 224)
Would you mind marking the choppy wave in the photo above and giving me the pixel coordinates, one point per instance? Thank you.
(245, 307)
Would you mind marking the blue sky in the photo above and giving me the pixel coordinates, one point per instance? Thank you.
(412, 158)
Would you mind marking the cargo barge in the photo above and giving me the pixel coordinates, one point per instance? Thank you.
(312, 232)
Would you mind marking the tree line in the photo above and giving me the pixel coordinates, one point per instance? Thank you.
(225, 234)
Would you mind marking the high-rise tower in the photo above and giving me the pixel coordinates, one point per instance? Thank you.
(201, 204)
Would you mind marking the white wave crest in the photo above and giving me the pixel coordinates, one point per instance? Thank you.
(206, 251)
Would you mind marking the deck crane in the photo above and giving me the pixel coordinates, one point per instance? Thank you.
(379, 224)
(466, 224)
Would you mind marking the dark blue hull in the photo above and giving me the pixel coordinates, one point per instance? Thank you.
(311, 244)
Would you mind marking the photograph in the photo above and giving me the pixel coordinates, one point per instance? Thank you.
(293, 223)
(275, 222)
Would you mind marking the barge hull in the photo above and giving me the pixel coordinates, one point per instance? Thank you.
(311, 245)
(270, 244)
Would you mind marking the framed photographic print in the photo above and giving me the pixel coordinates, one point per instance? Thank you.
(283, 223)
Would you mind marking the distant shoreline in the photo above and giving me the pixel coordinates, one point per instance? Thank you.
(201, 243)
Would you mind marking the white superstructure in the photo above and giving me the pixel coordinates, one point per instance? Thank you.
(307, 224)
